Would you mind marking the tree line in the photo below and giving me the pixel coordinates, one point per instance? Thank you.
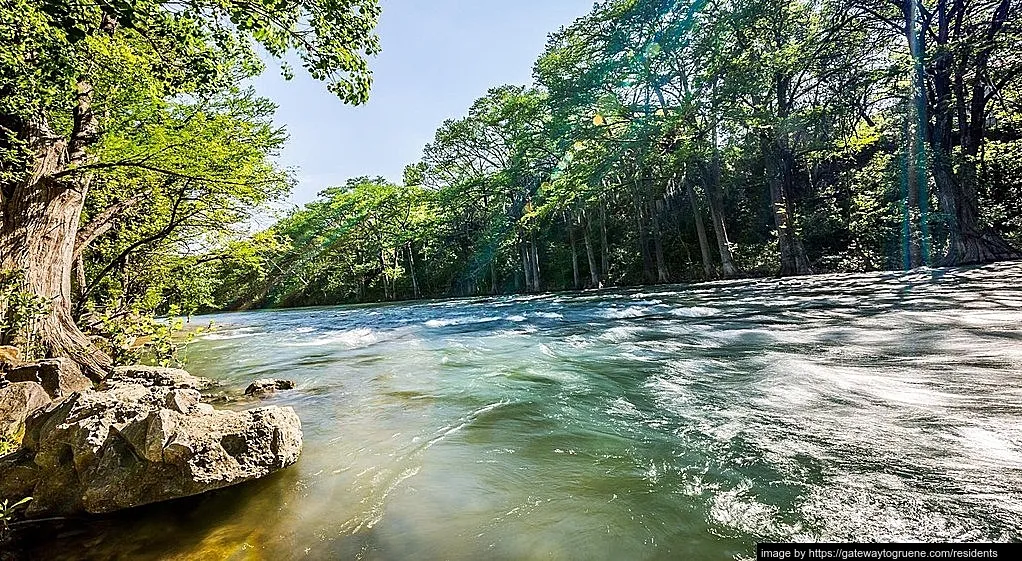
(660, 141)
(667, 141)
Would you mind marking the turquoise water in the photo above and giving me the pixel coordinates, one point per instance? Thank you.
(656, 423)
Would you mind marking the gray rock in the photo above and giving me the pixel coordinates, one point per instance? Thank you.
(58, 376)
(267, 386)
(17, 401)
(130, 445)
(182, 401)
(157, 376)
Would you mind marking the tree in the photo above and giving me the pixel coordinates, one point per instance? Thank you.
(963, 56)
(183, 181)
(66, 68)
(489, 167)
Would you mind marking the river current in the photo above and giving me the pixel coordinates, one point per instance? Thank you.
(683, 422)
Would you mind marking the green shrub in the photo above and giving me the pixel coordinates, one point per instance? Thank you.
(20, 311)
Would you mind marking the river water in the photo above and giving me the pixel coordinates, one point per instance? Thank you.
(657, 423)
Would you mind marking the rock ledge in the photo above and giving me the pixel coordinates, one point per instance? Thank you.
(144, 437)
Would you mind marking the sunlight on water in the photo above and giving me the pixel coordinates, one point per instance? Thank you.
(664, 423)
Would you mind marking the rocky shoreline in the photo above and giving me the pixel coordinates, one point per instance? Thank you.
(140, 436)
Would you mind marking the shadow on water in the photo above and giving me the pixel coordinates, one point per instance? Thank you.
(223, 524)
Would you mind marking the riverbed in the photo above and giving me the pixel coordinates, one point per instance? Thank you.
(683, 422)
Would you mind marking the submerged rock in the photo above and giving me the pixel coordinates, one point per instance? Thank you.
(17, 401)
(268, 386)
(138, 443)
(58, 376)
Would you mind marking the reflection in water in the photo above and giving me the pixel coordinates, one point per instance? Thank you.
(661, 423)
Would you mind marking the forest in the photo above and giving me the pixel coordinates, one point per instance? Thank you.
(660, 142)
(667, 142)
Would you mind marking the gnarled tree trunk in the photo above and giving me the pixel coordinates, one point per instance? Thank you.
(40, 220)
(39, 228)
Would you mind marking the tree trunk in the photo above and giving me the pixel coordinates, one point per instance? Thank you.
(526, 264)
(663, 276)
(537, 286)
(576, 277)
(604, 245)
(397, 265)
(411, 270)
(37, 237)
(697, 215)
(640, 227)
(594, 275)
(914, 187)
(40, 225)
(716, 199)
(383, 273)
(778, 168)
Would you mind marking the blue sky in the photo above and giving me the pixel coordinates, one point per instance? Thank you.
(438, 57)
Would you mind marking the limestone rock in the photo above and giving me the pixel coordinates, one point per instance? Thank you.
(268, 386)
(157, 376)
(9, 357)
(130, 445)
(17, 401)
(58, 376)
(182, 401)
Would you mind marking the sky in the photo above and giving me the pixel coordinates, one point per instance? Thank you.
(438, 57)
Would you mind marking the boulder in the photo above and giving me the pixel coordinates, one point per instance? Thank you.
(268, 386)
(130, 445)
(58, 376)
(17, 401)
(156, 376)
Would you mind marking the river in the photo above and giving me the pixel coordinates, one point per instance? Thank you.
(684, 422)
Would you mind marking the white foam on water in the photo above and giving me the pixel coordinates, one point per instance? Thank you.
(621, 333)
(350, 338)
(989, 445)
(695, 312)
(621, 407)
(625, 313)
(460, 321)
(738, 511)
